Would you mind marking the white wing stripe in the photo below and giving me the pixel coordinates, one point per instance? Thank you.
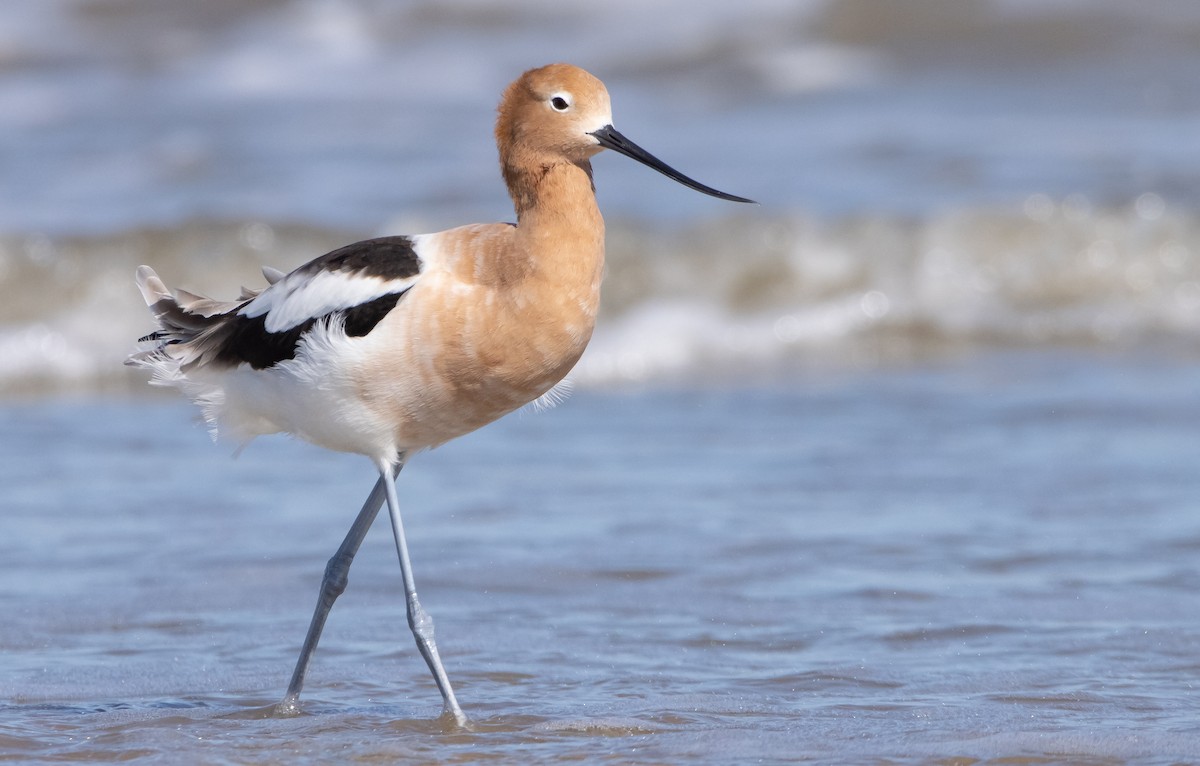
(299, 297)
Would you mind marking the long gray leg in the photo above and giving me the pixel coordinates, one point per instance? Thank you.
(334, 582)
(418, 619)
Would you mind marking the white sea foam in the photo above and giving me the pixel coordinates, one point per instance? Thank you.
(715, 299)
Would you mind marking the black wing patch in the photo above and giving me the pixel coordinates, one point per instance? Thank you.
(382, 257)
(248, 342)
(361, 319)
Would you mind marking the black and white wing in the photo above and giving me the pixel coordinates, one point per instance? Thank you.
(357, 285)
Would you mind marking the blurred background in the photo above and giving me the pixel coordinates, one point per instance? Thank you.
(897, 466)
(935, 176)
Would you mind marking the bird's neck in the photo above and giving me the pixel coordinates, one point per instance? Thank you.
(559, 223)
(537, 183)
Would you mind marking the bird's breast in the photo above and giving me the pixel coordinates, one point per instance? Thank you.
(461, 355)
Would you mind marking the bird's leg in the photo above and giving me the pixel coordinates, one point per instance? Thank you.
(334, 583)
(418, 619)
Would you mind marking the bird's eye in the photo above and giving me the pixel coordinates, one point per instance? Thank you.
(560, 103)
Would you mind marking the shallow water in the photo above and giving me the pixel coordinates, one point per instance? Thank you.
(346, 113)
(981, 558)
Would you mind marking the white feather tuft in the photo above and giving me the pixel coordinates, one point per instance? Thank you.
(554, 397)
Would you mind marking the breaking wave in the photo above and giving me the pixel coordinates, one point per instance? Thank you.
(734, 298)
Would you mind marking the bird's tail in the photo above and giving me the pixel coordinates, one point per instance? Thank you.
(182, 318)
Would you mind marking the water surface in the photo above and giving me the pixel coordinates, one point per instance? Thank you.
(990, 557)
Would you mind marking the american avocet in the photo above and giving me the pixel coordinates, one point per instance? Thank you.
(397, 344)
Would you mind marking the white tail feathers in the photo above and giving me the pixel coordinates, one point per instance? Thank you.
(153, 289)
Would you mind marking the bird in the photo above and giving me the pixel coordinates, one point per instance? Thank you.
(398, 344)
